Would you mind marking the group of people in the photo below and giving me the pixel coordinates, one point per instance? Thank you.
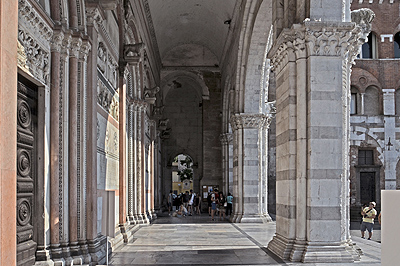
(219, 204)
(189, 203)
(186, 203)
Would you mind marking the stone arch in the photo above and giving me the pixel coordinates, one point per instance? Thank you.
(171, 79)
(361, 79)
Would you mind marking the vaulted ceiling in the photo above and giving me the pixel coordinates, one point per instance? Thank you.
(191, 32)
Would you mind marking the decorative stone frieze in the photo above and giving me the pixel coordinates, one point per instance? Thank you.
(36, 58)
(249, 121)
(35, 23)
(313, 38)
(108, 100)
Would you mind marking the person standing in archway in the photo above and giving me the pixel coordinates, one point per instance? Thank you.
(368, 214)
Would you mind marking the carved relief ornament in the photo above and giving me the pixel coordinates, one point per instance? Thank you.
(226, 138)
(255, 121)
(34, 21)
(33, 57)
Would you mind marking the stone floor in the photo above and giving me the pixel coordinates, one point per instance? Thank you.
(195, 240)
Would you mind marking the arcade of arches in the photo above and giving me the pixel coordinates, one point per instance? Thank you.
(98, 98)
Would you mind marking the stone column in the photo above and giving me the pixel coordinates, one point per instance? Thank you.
(122, 147)
(225, 162)
(94, 19)
(8, 131)
(312, 65)
(247, 130)
(136, 163)
(390, 153)
(131, 168)
(362, 102)
(142, 188)
(73, 147)
(54, 144)
(83, 142)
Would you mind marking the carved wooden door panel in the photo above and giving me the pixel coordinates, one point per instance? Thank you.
(26, 173)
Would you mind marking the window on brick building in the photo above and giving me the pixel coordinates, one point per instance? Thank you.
(372, 105)
(369, 50)
(365, 157)
(353, 101)
(397, 45)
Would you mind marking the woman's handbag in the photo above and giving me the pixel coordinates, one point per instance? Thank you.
(226, 204)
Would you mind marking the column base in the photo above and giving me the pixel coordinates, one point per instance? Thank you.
(97, 249)
(251, 218)
(281, 246)
(329, 252)
(312, 252)
(44, 263)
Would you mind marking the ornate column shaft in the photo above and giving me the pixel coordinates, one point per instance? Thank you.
(73, 146)
(55, 142)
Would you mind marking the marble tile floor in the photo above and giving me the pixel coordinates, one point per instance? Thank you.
(196, 240)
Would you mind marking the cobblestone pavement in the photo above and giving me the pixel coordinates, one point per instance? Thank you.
(196, 240)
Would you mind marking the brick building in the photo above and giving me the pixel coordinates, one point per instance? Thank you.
(375, 108)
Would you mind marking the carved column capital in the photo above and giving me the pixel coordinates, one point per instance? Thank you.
(316, 38)
(57, 41)
(255, 121)
(75, 47)
(84, 50)
(94, 16)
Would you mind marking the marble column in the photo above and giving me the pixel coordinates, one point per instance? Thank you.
(8, 131)
(225, 162)
(122, 146)
(313, 114)
(131, 168)
(54, 143)
(142, 154)
(73, 146)
(136, 163)
(248, 139)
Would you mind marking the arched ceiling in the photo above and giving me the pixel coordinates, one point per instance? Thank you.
(187, 29)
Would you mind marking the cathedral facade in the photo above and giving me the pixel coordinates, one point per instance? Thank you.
(101, 99)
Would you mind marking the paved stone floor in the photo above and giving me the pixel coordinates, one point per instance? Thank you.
(195, 240)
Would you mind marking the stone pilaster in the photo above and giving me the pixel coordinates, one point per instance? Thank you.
(312, 65)
(225, 139)
(390, 153)
(247, 129)
(96, 249)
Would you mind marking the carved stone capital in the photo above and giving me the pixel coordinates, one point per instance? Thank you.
(56, 41)
(226, 138)
(132, 52)
(158, 111)
(84, 50)
(256, 121)
(66, 43)
(163, 123)
(150, 94)
(94, 16)
(75, 48)
(315, 38)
